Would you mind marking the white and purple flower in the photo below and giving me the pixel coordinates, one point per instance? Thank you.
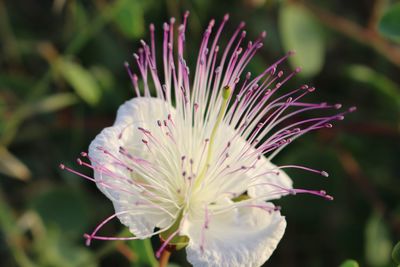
(193, 162)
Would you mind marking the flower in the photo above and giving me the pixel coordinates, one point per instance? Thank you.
(193, 163)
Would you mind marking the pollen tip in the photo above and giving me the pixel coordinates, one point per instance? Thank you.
(151, 26)
(79, 161)
(61, 166)
(126, 64)
(352, 109)
(210, 25)
(242, 24)
(298, 69)
(263, 34)
(337, 106)
(324, 173)
(187, 13)
(83, 154)
(88, 239)
(226, 16)
(158, 254)
(166, 26)
(328, 197)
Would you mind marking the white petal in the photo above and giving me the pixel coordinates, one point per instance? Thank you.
(119, 191)
(241, 237)
(142, 218)
(142, 110)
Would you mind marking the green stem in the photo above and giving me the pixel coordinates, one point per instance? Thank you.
(149, 252)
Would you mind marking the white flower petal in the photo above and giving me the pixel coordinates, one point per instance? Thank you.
(246, 236)
(116, 181)
(142, 110)
(118, 190)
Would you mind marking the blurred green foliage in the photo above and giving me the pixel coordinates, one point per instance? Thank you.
(389, 23)
(349, 263)
(62, 80)
(301, 33)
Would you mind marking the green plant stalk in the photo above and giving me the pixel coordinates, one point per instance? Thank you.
(149, 252)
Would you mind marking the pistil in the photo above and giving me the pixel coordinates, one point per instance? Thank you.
(226, 93)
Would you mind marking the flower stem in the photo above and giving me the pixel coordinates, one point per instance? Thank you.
(164, 258)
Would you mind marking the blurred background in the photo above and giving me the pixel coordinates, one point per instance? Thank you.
(62, 80)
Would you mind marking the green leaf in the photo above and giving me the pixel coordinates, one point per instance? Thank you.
(301, 32)
(144, 252)
(104, 77)
(56, 250)
(12, 166)
(396, 253)
(378, 245)
(349, 263)
(64, 209)
(54, 102)
(379, 81)
(79, 16)
(44, 105)
(389, 25)
(15, 82)
(80, 79)
(129, 18)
